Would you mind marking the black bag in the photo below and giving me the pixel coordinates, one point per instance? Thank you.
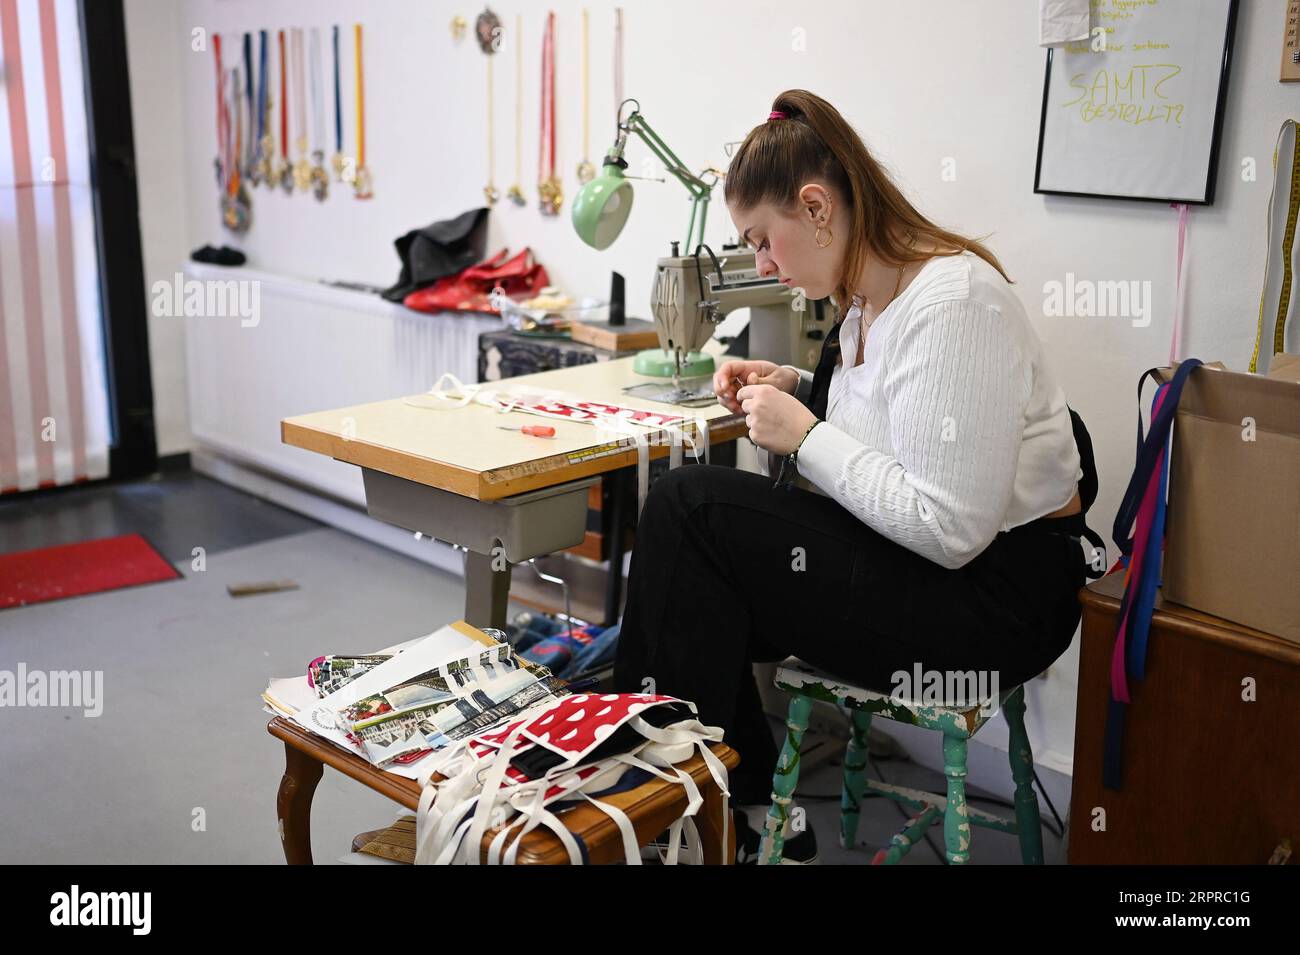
(438, 250)
(1088, 485)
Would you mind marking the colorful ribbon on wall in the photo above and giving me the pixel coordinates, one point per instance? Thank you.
(1176, 337)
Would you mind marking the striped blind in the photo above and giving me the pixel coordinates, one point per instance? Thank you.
(54, 422)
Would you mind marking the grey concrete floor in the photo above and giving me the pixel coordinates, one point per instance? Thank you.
(182, 735)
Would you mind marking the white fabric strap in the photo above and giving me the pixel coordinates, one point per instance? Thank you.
(454, 844)
(449, 393)
(684, 827)
(552, 822)
(528, 820)
(490, 789)
(532, 818)
(439, 398)
(642, 472)
(717, 769)
(537, 814)
(674, 841)
(693, 802)
(430, 845)
(631, 850)
(694, 844)
(498, 841)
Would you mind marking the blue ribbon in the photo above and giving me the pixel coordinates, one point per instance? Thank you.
(1139, 593)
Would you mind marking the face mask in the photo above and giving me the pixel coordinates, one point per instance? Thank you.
(570, 749)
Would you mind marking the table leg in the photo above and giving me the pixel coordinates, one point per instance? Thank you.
(293, 804)
(487, 591)
(618, 489)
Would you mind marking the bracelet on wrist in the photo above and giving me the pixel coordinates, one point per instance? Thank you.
(790, 462)
(805, 435)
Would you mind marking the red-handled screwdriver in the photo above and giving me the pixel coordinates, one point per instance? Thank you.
(536, 430)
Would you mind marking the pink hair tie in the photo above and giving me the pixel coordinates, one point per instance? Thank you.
(777, 114)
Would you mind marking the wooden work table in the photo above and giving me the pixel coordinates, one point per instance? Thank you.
(451, 473)
(463, 450)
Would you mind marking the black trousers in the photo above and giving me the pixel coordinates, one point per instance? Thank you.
(728, 571)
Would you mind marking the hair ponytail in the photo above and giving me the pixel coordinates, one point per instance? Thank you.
(815, 142)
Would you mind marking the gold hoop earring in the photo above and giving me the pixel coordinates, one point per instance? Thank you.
(830, 237)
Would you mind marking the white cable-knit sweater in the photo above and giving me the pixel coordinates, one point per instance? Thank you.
(953, 428)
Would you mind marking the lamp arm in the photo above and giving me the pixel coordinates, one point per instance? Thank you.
(695, 185)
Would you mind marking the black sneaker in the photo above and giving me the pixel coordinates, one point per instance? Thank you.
(799, 848)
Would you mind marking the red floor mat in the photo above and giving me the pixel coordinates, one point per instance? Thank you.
(71, 570)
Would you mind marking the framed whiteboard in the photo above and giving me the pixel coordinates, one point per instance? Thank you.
(1141, 118)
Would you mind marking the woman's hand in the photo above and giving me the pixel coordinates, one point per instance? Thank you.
(777, 421)
(756, 372)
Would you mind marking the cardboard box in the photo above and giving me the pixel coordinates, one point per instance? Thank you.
(1232, 545)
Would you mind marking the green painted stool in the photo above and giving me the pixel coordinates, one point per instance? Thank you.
(957, 723)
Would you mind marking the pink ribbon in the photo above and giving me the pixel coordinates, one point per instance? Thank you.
(1141, 537)
(1174, 339)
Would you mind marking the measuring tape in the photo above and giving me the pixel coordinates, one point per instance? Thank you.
(1286, 182)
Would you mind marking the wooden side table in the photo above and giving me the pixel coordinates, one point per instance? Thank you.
(1208, 778)
(651, 807)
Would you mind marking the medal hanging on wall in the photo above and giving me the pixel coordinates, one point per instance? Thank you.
(586, 171)
(618, 65)
(516, 192)
(284, 173)
(301, 165)
(219, 163)
(487, 28)
(361, 184)
(243, 200)
(549, 191)
(248, 161)
(235, 206)
(339, 163)
(320, 179)
(265, 141)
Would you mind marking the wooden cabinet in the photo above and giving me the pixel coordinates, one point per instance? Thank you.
(1208, 776)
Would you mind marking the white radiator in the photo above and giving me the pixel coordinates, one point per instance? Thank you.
(309, 347)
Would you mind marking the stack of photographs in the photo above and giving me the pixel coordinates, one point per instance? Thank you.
(449, 702)
(395, 706)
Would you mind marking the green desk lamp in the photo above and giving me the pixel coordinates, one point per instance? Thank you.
(602, 207)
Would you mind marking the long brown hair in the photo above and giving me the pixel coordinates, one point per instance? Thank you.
(814, 141)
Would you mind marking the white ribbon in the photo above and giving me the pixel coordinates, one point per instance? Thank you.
(449, 393)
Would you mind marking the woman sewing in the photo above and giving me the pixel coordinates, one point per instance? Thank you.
(937, 449)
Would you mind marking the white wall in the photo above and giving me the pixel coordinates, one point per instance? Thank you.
(922, 81)
(158, 103)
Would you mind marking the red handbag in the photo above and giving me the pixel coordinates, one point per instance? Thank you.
(520, 277)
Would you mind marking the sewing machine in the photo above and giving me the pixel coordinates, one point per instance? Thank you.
(693, 293)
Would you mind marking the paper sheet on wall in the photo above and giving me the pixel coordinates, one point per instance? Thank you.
(1062, 21)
